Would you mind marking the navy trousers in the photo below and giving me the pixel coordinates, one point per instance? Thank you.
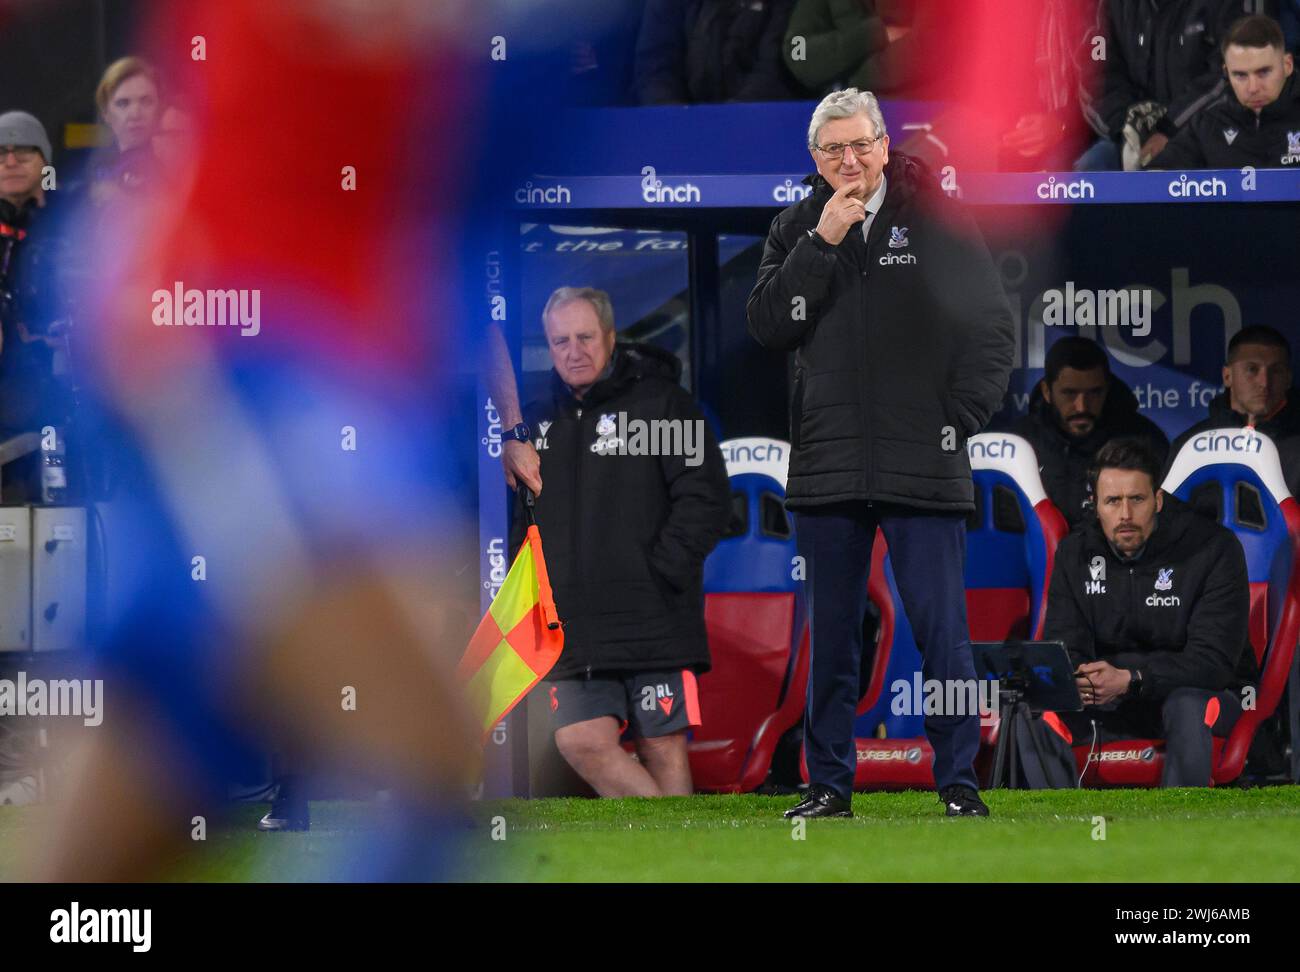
(928, 552)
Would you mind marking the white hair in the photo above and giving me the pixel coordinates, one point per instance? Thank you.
(845, 104)
(598, 299)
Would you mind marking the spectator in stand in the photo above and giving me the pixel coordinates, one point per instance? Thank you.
(711, 51)
(1080, 406)
(1050, 130)
(1258, 393)
(1257, 122)
(1162, 67)
(850, 43)
(129, 99)
(31, 321)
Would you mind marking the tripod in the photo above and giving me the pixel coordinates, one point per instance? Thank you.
(1013, 709)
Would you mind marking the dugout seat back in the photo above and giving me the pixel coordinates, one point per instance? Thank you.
(1011, 540)
(756, 622)
(1234, 476)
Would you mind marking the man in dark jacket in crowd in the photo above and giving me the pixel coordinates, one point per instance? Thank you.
(902, 336)
(1152, 602)
(1257, 392)
(33, 311)
(692, 51)
(1078, 407)
(1258, 121)
(1162, 67)
(636, 496)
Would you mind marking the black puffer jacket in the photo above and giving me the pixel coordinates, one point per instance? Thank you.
(1283, 428)
(903, 345)
(1228, 135)
(1063, 459)
(1178, 613)
(625, 536)
(1165, 51)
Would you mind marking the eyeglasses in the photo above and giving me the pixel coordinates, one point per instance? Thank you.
(835, 150)
(23, 153)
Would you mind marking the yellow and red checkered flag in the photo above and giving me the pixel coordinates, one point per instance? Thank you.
(518, 640)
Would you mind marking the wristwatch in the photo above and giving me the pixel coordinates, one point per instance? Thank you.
(520, 433)
(1134, 682)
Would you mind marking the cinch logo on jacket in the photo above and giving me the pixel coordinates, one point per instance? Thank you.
(1292, 148)
(897, 240)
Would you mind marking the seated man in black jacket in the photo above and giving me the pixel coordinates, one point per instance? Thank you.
(1152, 602)
(1077, 408)
(636, 497)
(1257, 393)
(1257, 121)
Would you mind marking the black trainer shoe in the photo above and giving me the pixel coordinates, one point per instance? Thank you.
(821, 801)
(962, 801)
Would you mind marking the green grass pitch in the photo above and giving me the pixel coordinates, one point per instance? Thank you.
(1091, 835)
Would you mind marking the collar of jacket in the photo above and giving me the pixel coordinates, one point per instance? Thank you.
(1285, 422)
(1173, 520)
(906, 176)
(1116, 416)
(1287, 103)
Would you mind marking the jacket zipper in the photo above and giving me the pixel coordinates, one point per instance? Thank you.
(866, 365)
(573, 513)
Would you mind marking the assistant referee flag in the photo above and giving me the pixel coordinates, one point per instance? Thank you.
(518, 640)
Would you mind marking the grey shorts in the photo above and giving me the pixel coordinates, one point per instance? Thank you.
(652, 703)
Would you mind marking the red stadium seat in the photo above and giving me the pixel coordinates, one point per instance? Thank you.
(757, 627)
(1239, 476)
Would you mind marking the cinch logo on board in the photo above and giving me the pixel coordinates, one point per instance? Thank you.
(556, 195)
(1002, 449)
(788, 192)
(1074, 189)
(496, 558)
(1227, 442)
(687, 192)
(1185, 188)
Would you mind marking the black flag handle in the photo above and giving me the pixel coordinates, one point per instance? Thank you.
(530, 502)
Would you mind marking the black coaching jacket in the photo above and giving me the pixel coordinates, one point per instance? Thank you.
(1178, 612)
(902, 344)
(625, 536)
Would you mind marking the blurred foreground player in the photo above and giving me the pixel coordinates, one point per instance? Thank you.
(902, 337)
(323, 619)
(637, 495)
(1152, 602)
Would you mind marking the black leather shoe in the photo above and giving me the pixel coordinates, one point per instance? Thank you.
(962, 801)
(821, 801)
